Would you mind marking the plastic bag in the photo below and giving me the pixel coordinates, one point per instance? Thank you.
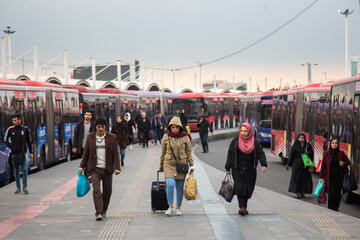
(307, 161)
(190, 192)
(82, 185)
(319, 187)
(227, 188)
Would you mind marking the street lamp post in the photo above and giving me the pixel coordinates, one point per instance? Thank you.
(309, 70)
(200, 65)
(8, 31)
(346, 13)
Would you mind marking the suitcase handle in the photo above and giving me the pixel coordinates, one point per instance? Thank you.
(158, 183)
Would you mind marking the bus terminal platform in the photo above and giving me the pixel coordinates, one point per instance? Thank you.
(53, 211)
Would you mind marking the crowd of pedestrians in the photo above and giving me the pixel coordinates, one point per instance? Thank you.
(102, 154)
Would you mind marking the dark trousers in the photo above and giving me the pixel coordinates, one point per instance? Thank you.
(242, 201)
(101, 200)
(157, 135)
(334, 199)
(204, 142)
(144, 138)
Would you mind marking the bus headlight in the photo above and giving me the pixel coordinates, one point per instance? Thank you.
(265, 135)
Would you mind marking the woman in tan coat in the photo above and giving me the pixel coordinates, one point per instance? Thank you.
(175, 148)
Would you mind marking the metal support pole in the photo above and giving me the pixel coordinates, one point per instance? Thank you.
(9, 50)
(118, 71)
(250, 81)
(309, 72)
(174, 88)
(195, 90)
(66, 67)
(162, 110)
(266, 87)
(233, 84)
(93, 70)
(346, 47)
(214, 83)
(36, 63)
(3, 57)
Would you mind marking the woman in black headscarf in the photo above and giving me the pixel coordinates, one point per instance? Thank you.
(300, 182)
(120, 129)
(332, 172)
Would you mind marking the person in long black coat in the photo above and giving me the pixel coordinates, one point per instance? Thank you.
(130, 123)
(144, 128)
(242, 159)
(301, 181)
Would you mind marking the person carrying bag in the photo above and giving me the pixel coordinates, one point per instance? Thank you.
(227, 188)
(191, 188)
(174, 161)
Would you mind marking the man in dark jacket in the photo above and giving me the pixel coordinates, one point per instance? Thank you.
(17, 137)
(157, 125)
(101, 156)
(203, 126)
(183, 118)
(120, 129)
(144, 128)
(82, 129)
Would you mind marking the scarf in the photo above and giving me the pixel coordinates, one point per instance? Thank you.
(180, 134)
(120, 126)
(297, 145)
(247, 144)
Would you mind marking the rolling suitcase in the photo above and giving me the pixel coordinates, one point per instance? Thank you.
(158, 195)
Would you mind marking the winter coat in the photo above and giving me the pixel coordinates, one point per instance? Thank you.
(130, 123)
(144, 125)
(89, 158)
(325, 168)
(184, 119)
(121, 132)
(181, 147)
(204, 126)
(301, 181)
(243, 167)
(79, 133)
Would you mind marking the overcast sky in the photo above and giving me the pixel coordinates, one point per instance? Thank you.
(179, 33)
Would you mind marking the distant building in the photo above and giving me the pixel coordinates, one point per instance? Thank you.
(108, 74)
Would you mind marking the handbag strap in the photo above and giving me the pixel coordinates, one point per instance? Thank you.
(171, 149)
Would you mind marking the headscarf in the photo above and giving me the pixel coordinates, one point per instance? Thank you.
(129, 117)
(176, 121)
(297, 145)
(120, 126)
(332, 151)
(247, 144)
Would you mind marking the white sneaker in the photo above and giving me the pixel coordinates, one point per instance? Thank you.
(131, 147)
(178, 212)
(170, 211)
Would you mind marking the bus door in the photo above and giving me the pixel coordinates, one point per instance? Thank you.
(312, 121)
(355, 161)
(59, 132)
(289, 118)
(102, 110)
(31, 123)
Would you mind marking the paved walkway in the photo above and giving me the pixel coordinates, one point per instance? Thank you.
(52, 210)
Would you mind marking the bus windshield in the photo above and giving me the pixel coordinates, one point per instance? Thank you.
(193, 106)
(265, 116)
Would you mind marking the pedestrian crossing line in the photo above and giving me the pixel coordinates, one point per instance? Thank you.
(328, 226)
(117, 225)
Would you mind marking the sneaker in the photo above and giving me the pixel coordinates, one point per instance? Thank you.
(17, 191)
(131, 147)
(169, 212)
(26, 191)
(98, 217)
(178, 212)
(104, 214)
(122, 163)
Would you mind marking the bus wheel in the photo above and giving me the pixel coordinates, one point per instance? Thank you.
(42, 160)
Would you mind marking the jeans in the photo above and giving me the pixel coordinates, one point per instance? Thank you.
(170, 185)
(121, 153)
(157, 135)
(204, 143)
(24, 174)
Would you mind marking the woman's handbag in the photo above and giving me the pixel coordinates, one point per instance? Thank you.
(180, 167)
(190, 192)
(82, 185)
(319, 187)
(227, 188)
(349, 181)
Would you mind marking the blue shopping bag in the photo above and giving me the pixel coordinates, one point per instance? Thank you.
(82, 186)
(319, 187)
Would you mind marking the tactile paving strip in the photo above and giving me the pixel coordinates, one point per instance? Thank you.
(330, 228)
(120, 219)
